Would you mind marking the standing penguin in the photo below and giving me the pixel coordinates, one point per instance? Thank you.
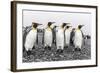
(48, 36)
(78, 38)
(72, 37)
(60, 37)
(31, 38)
(54, 35)
(67, 36)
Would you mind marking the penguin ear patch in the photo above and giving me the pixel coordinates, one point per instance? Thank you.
(80, 26)
(50, 23)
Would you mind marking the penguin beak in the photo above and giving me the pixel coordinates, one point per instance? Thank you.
(70, 26)
(39, 24)
(82, 25)
(52, 22)
(56, 26)
(65, 24)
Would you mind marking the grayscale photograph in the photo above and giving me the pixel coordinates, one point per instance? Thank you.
(56, 36)
(48, 36)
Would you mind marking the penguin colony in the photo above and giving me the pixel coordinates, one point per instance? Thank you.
(61, 36)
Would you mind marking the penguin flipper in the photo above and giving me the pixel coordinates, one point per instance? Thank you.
(64, 37)
(43, 37)
(37, 37)
(26, 31)
(72, 37)
(53, 35)
(83, 38)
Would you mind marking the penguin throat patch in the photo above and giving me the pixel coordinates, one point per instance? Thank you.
(33, 28)
(77, 29)
(49, 29)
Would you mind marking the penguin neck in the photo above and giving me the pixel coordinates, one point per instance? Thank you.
(78, 29)
(62, 27)
(48, 28)
(33, 28)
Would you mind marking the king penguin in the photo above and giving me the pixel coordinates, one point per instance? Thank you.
(48, 36)
(60, 37)
(31, 38)
(78, 38)
(54, 35)
(67, 36)
(72, 37)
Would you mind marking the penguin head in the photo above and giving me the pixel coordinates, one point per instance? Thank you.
(64, 24)
(50, 23)
(67, 27)
(73, 29)
(80, 26)
(35, 25)
(55, 26)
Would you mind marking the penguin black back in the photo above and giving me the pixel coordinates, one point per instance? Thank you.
(54, 34)
(72, 35)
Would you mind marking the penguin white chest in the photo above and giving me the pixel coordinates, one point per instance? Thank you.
(60, 38)
(30, 39)
(48, 37)
(67, 37)
(78, 39)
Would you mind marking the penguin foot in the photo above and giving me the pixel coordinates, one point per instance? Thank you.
(77, 49)
(45, 47)
(49, 48)
(28, 52)
(66, 47)
(33, 48)
(59, 51)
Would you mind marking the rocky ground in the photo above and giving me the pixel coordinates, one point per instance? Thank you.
(42, 55)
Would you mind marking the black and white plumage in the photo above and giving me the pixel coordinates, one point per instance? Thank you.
(48, 35)
(54, 35)
(68, 31)
(60, 36)
(72, 36)
(31, 37)
(78, 38)
(25, 32)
